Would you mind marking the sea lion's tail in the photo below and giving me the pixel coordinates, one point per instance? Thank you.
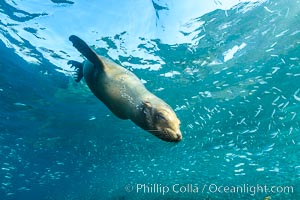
(83, 48)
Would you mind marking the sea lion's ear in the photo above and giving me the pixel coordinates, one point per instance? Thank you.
(147, 107)
(147, 110)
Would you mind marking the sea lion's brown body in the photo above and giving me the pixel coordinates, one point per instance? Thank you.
(125, 95)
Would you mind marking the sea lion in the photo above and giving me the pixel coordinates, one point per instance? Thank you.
(124, 94)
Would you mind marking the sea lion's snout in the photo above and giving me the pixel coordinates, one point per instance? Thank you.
(170, 135)
(179, 137)
(167, 134)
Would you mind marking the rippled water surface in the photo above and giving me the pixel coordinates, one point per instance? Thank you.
(230, 70)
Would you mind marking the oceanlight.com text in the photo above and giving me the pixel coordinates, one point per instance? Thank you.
(162, 189)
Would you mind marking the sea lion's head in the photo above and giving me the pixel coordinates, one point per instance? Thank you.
(162, 121)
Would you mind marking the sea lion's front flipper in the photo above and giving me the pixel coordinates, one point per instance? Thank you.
(83, 48)
(79, 69)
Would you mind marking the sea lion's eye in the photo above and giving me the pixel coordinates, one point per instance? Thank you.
(159, 117)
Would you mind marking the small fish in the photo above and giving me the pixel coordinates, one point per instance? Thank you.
(22, 105)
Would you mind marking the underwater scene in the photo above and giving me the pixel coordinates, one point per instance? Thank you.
(229, 70)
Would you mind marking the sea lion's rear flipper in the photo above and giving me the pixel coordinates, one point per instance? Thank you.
(79, 69)
(83, 48)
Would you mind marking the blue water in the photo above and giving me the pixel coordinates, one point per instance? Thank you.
(230, 70)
